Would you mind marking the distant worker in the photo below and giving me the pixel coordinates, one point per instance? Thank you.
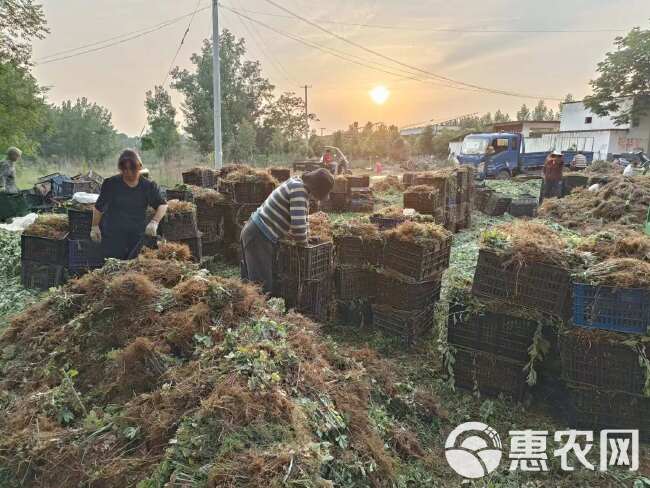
(552, 173)
(629, 170)
(283, 214)
(120, 211)
(379, 168)
(579, 161)
(8, 170)
(328, 162)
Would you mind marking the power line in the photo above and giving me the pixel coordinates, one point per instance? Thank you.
(448, 30)
(415, 68)
(180, 46)
(125, 38)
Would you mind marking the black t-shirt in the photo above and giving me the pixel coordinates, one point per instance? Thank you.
(125, 207)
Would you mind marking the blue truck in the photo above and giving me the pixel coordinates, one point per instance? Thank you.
(502, 155)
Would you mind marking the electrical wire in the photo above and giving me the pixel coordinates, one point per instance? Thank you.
(414, 68)
(445, 30)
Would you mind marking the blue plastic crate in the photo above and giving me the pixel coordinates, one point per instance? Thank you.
(84, 255)
(618, 309)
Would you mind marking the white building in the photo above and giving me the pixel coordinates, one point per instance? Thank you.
(580, 128)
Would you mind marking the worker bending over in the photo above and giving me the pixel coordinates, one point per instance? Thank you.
(283, 214)
(8, 170)
(120, 211)
(579, 161)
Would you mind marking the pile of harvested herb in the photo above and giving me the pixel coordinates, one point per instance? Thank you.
(619, 272)
(356, 228)
(175, 207)
(422, 189)
(245, 174)
(51, 226)
(419, 233)
(617, 242)
(389, 183)
(320, 226)
(207, 197)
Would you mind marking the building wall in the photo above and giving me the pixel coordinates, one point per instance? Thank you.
(574, 115)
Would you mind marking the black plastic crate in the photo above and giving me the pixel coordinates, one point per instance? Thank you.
(339, 202)
(306, 262)
(570, 182)
(44, 250)
(250, 192)
(211, 231)
(361, 205)
(617, 309)
(179, 226)
(590, 359)
(373, 250)
(537, 286)
(211, 248)
(421, 202)
(489, 373)
(81, 222)
(196, 247)
(386, 223)
(497, 204)
(408, 179)
(349, 250)
(354, 313)
(69, 188)
(417, 262)
(182, 195)
(524, 206)
(481, 196)
(410, 327)
(406, 294)
(504, 335)
(84, 255)
(590, 408)
(40, 276)
(203, 177)
(358, 181)
(280, 174)
(309, 297)
(352, 283)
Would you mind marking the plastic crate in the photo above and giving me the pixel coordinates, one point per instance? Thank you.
(182, 195)
(349, 250)
(84, 255)
(196, 247)
(211, 231)
(81, 222)
(352, 283)
(481, 196)
(39, 276)
(406, 294)
(250, 192)
(280, 174)
(408, 179)
(569, 182)
(489, 373)
(524, 206)
(410, 327)
(596, 361)
(361, 205)
(618, 309)
(496, 333)
(69, 188)
(497, 204)
(211, 248)
(386, 223)
(373, 251)
(358, 182)
(421, 202)
(179, 226)
(310, 297)
(415, 261)
(308, 262)
(354, 313)
(537, 286)
(339, 202)
(44, 250)
(593, 409)
(203, 177)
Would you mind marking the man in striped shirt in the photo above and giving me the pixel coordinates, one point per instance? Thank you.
(283, 214)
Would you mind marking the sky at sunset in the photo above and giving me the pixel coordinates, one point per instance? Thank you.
(424, 34)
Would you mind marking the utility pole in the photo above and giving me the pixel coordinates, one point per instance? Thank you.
(322, 129)
(306, 87)
(216, 86)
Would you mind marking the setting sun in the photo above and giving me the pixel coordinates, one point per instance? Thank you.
(379, 94)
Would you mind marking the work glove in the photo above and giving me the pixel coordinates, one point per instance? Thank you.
(152, 229)
(96, 234)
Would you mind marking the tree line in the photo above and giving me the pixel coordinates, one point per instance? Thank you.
(255, 120)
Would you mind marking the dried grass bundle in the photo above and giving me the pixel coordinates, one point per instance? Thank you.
(422, 189)
(419, 233)
(389, 183)
(51, 226)
(617, 242)
(356, 228)
(249, 175)
(320, 226)
(620, 272)
(175, 207)
(207, 197)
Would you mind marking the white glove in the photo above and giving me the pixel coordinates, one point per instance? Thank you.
(152, 229)
(96, 234)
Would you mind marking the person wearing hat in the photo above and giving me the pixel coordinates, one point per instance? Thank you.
(8, 170)
(119, 216)
(283, 214)
(552, 173)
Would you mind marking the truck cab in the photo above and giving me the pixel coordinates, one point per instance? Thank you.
(495, 154)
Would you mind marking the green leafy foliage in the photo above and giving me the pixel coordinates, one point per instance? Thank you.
(14, 298)
(163, 136)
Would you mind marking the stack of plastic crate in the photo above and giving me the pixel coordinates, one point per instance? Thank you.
(83, 254)
(182, 227)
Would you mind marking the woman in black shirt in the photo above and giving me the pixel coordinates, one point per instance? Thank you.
(121, 208)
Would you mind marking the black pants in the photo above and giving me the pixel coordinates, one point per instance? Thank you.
(257, 257)
(121, 243)
(550, 189)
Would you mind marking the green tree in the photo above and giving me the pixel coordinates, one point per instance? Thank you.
(287, 114)
(524, 113)
(245, 94)
(22, 108)
(21, 21)
(316, 145)
(163, 128)
(425, 141)
(623, 75)
(337, 140)
(241, 148)
(501, 117)
(80, 130)
(542, 112)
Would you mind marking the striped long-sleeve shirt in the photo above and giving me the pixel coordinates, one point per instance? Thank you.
(284, 212)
